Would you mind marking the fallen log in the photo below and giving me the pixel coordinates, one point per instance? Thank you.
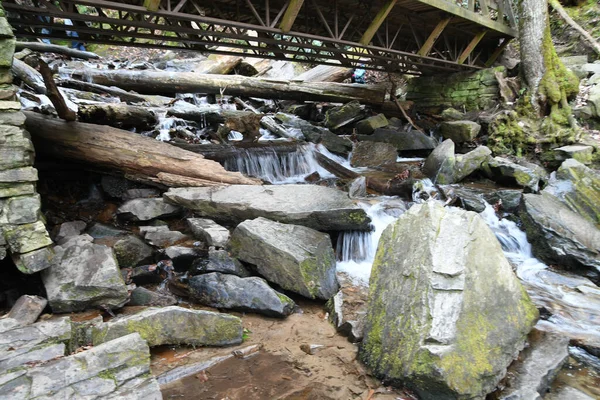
(222, 152)
(120, 115)
(129, 153)
(124, 95)
(390, 187)
(54, 48)
(325, 73)
(169, 83)
(221, 65)
(269, 122)
(28, 75)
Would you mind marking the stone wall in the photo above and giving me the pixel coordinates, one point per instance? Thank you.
(22, 230)
(465, 91)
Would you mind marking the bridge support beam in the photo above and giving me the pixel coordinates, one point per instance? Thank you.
(465, 54)
(377, 22)
(435, 34)
(290, 15)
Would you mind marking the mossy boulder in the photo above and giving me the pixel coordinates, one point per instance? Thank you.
(367, 126)
(521, 173)
(131, 251)
(444, 167)
(582, 153)
(446, 313)
(296, 258)
(460, 131)
(174, 325)
(578, 187)
(337, 117)
(26, 238)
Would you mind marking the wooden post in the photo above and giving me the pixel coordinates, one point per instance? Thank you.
(435, 34)
(497, 52)
(290, 15)
(376, 23)
(151, 5)
(471, 47)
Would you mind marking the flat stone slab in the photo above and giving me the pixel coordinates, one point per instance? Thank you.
(209, 231)
(146, 209)
(316, 207)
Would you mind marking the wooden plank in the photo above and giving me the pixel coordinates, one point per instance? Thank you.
(151, 5)
(465, 54)
(433, 37)
(377, 22)
(458, 11)
(497, 52)
(290, 15)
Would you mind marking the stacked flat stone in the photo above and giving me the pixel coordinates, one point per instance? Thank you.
(22, 231)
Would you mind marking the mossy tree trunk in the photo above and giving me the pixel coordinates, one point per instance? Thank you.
(549, 82)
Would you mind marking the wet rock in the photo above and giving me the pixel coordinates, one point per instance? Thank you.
(144, 297)
(578, 152)
(525, 174)
(509, 199)
(220, 261)
(404, 141)
(367, 126)
(460, 131)
(446, 314)
(578, 187)
(316, 134)
(69, 229)
(243, 294)
(209, 231)
(100, 231)
(164, 237)
(131, 251)
(183, 257)
(147, 209)
(84, 275)
(116, 370)
(560, 236)
(297, 258)
(314, 206)
(530, 377)
(373, 154)
(333, 142)
(358, 188)
(439, 165)
(174, 325)
(337, 117)
(34, 261)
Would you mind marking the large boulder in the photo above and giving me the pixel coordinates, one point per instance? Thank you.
(446, 314)
(578, 187)
(524, 174)
(460, 131)
(560, 236)
(84, 275)
(444, 167)
(340, 116)
(373, 154)
(297, 258)
(244, 294)
(174, 325)
(317, 207)
(209, 231)
(219, 261)
(404, 141)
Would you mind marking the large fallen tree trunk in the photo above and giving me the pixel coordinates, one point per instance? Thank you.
(100, 89)
(141, 157)
(121, 116)
(54, 48)
(170, 83)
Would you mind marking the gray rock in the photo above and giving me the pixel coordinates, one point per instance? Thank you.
(558, 235)
(593, 100)
(446, 314)
(297, 258)
(84, 275)
(358, 188)
(367, 126)
(143, 297)
(373, 154)
(69, 229)
(131, 251)
(183, 257)
(131, 194)
(34, 261)
(439, 165)
(526, 175)
(404, 141)
(174, 325)
(316, 134)
(347, 311)
(452, 114)
(244, 294)
(209, 231)
(314, 206)
(3, 252)
(591, 68)
(119, 369)
(27, 238)
(19, 175)
(164, 238)
(99, 231)
(532, 374)
(20, 210)
(468, 163)
(147, 209)
(144, 274)
(27, 309)
(337, 117)
(579, 152)
(460, 131)
(220, 261)
(568, 393)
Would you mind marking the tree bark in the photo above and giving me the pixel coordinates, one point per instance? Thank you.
(168, 83)
(121, 116)
(54, 48)
(325, 73)
(132, 154)
(100, 89)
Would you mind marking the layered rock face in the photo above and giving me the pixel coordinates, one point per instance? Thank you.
(446, 314)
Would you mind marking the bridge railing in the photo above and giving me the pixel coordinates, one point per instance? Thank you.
(495, 10)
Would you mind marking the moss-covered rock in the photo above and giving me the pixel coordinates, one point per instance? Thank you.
(521, 173)
(446, 313)
(367, 126)
(339, 116)
(26, 238)
(174, 325)
(460, 131)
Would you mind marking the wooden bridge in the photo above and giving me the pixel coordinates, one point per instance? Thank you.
(409, 36)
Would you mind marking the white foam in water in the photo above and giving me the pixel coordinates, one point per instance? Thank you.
(409, 159)
(235, 136)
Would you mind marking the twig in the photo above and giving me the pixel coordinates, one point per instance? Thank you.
(409, 119)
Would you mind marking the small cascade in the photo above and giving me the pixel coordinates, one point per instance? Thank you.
(356, 249)
(166, 124)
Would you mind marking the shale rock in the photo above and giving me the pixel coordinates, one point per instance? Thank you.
(143, 297)
(209, 231)
(460, 131)
(243, 294)
(220, 261)
(131, 251)
(34, 261)
(147, 209)
(174, 325)
(69, 229)
(524, 174)
(337, 117)
(404, 141)
(373, 154)
(297, 258)
(367, 126)
(84, 275)
(578, 152)
(446, 314)
(317, 207)
(444, 167)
